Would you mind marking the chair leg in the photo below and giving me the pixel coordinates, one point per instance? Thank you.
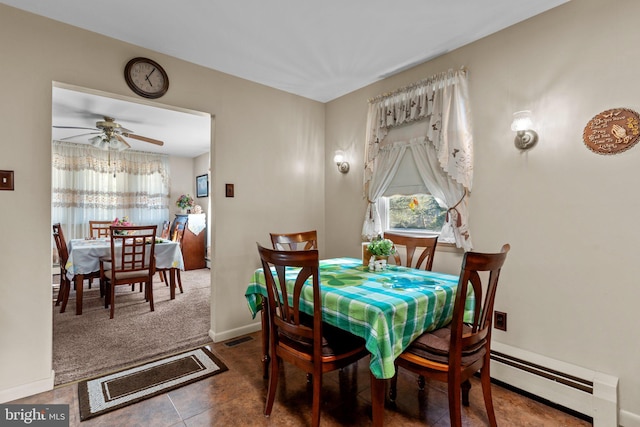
(179, 280)
(273, 383)
(455, 408)
(60, 290)
(485, 379)
(112, 300)
(264, 317)
(393, 386)
(421, 382)
(65, 289)
(315, 408)
(466, 387)
(164, 277)
(149, 291)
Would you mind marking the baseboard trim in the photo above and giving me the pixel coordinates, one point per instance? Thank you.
(235, 333)
(629, 419)
(25, 390)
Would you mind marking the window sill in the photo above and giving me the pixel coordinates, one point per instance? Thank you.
(440, 247)
(448, 247)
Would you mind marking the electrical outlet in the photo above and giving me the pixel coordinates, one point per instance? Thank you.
(500, 320)
(6, 180)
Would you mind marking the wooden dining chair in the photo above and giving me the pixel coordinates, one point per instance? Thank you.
(411, 243)
(178, 221)
(166, 228)
(299, 338)
(305, 240)
(295, 241)
(99, 229)
(63, 255)
(178, 234)
(457, 351)
(132, 261)
(164, 234)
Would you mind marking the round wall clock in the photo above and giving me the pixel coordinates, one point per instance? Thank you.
(146, 78)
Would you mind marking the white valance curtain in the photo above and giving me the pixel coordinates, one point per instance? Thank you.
(93, 184)
(443, 155)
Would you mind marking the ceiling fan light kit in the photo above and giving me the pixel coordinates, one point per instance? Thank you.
(110, 135)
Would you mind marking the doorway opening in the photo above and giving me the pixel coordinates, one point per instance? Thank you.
(88, 344)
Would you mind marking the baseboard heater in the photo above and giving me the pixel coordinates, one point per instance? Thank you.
(585, 391)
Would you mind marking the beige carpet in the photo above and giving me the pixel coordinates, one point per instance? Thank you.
(91, 344)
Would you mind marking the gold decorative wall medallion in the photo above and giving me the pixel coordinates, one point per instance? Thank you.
(612, 131)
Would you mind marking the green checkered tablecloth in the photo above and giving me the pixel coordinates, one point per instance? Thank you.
(389, 309)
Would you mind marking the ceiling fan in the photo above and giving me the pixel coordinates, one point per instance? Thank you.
(110, 135)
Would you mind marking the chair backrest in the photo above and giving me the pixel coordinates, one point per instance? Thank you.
(178, 232)
(166, 226)
(411, 243)
(61, 244)
(305, 240)
(99, 229)
(180, 222)
(133, 248)
(476, 269)
(292, 269)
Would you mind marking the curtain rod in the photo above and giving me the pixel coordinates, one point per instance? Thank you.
(413, 85)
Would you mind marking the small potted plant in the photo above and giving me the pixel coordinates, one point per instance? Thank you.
(381, 248)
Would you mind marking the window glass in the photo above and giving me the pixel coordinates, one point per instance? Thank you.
(419, 212)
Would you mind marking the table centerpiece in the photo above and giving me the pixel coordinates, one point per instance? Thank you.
(121, 222)
(380, 250)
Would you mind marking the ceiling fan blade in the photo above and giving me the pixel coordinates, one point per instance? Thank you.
(73, 127)
(78, 136)
(143, 138)
(121, 139)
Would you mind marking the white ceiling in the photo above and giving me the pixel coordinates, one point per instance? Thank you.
(316, 49)
(184, 133)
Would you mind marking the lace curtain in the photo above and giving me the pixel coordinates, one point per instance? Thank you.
(443, 156)
(92, 184)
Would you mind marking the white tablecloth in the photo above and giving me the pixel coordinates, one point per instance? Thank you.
(84, 255)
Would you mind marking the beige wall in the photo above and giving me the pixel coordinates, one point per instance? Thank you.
(258, 132)
(570, 283)
(182, 181)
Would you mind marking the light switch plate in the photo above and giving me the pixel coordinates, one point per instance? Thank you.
(228, 190)
(6, 180)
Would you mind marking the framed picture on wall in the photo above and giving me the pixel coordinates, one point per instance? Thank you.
(202, 186)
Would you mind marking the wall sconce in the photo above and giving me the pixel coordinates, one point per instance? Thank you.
(522, 124)
(343, 165)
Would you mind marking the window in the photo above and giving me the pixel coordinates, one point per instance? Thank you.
(415, 213)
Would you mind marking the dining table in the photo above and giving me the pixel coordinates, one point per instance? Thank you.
(84, 258)
(388, 308)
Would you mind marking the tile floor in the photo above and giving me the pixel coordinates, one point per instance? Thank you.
(236, 398)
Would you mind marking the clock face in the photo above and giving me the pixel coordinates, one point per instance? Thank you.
(146, 78)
